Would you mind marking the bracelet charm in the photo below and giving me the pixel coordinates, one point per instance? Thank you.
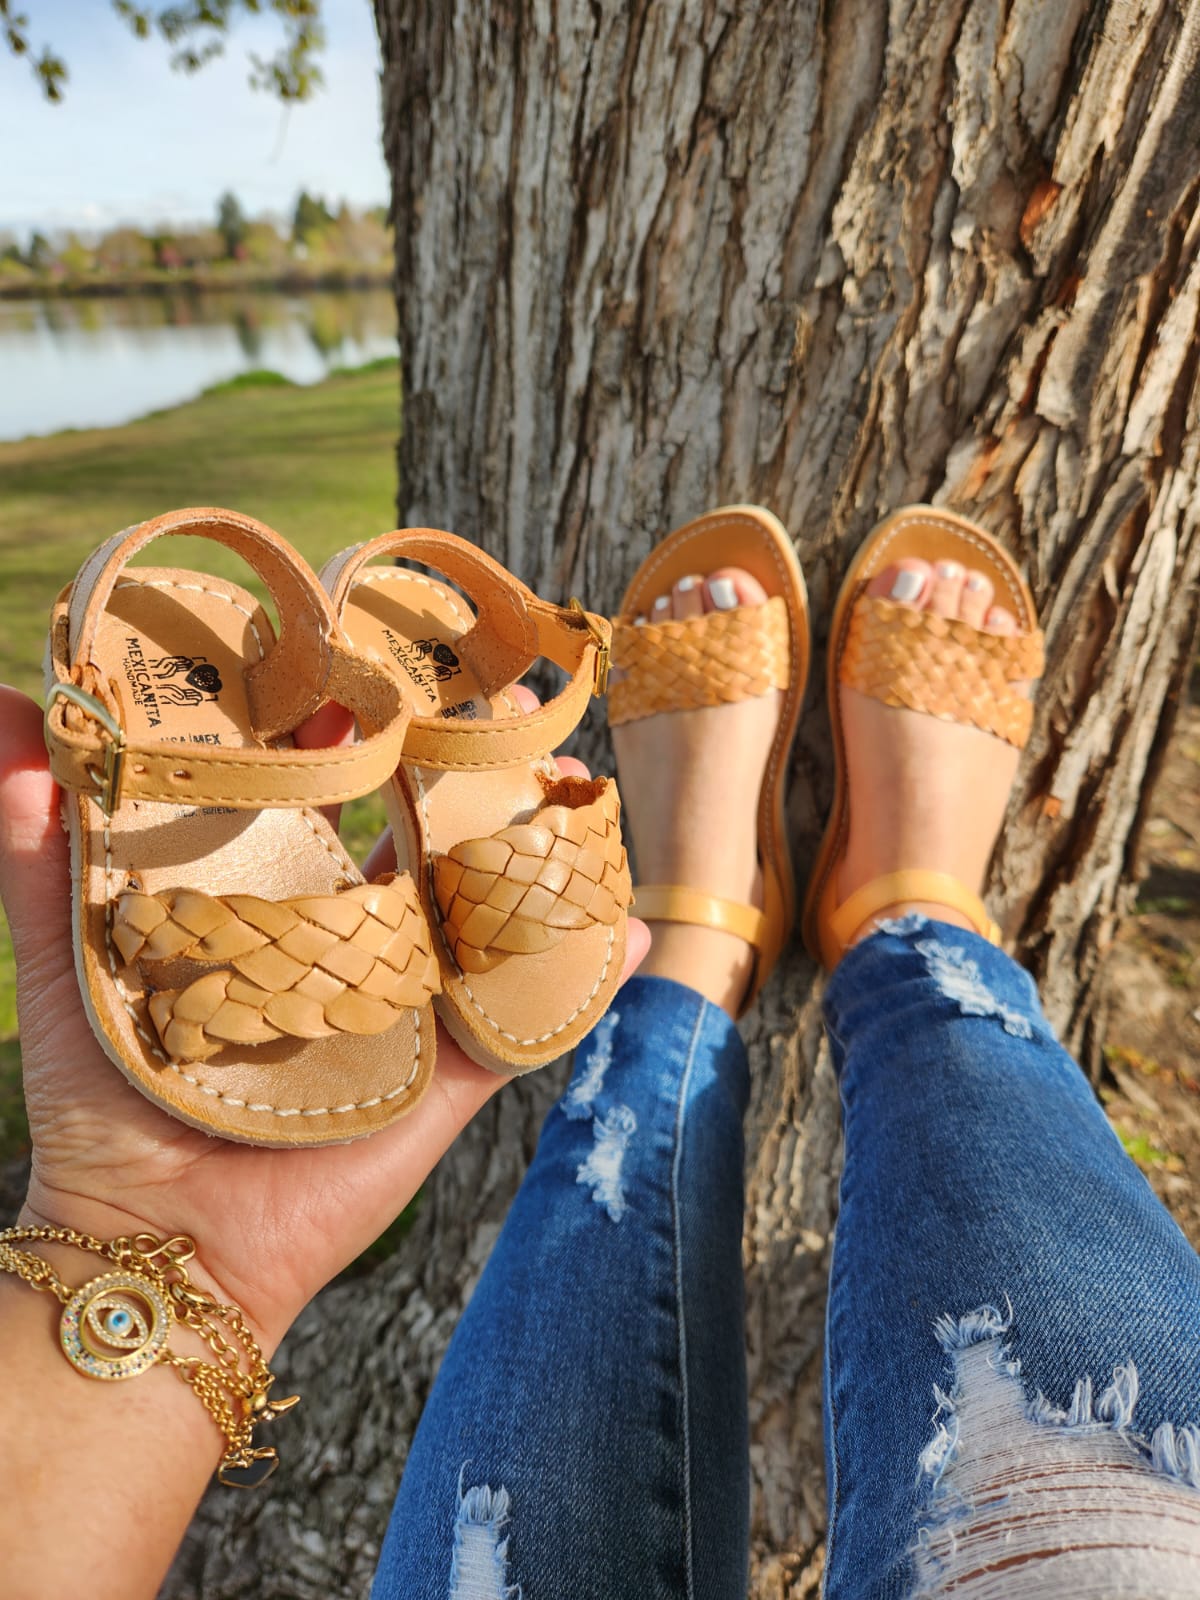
(115, 1326)
(118, 1325)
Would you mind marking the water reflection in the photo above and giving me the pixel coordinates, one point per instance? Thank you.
(83, 363)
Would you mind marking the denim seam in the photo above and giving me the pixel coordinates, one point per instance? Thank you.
(831, 1488)
(684, 1081)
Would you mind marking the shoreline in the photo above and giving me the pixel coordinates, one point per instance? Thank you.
(197, 282)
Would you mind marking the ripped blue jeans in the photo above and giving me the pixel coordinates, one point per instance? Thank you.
(1013, 1336)
(1013, 1343)
(587, 1433)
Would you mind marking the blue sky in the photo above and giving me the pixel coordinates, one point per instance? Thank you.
(135, 142)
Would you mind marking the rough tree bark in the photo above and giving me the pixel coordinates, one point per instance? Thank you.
(833, 256)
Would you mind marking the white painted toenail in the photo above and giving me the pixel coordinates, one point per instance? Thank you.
(724, 593)
(976, 582)
(685, 584)
(950, 570)
(639, 622)
(907, 585)
(663, 603)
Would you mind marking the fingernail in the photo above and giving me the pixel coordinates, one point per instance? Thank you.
(723, 593)
(685, 584)
(949, 570)
(976, 582)
(907, 585)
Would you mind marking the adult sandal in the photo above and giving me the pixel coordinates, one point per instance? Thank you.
(937, 665)
(718, 659)
(232, 960)
(521, 871)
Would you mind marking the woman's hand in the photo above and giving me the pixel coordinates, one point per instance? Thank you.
(271, 1226)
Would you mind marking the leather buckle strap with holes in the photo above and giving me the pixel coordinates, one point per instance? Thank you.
(108, 780)
(98, 759)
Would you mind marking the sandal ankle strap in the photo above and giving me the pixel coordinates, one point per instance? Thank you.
(664, 902)
(513, 628)
(896, 888)
(311, 662)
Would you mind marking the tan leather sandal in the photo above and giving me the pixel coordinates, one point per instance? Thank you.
(521, 870)
(233, 962)
(940, 666)
(717, 659)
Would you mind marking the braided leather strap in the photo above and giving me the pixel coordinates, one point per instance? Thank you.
(942, 666)
(711, 660)
(522, 890)
(306, 967)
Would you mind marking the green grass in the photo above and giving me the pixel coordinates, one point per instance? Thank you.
(317, 464)
(258, 378)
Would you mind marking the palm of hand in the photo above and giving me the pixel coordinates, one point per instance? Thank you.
(271, 1225)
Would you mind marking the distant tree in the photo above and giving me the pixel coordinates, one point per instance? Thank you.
(311, 218)
(263, 245)
(231, 224)
(125, 250)
(359, 237)
(41, 255)
(194, 32)
(75, 256)
(203, 248)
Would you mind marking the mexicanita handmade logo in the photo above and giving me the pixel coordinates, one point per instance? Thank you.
(159, 682)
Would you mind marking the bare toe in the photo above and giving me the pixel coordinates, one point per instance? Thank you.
(946, 590)
(660, 611)
(908, 581)
(998, 620)
(976, 598)
(728, 587)
(687, 598)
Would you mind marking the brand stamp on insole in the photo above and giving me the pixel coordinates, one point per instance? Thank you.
(427, 662)
(159, 683)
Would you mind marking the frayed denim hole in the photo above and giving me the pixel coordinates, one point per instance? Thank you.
(602, 1170)
(1030, 1501)
(901, 927)
(579, 1102)
(479, 1562)
(959, 979)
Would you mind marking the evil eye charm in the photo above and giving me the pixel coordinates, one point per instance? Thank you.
(115, 1326)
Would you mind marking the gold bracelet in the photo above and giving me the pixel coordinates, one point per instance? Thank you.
(116, 1326)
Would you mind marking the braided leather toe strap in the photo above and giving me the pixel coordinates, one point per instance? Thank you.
(315, 965)
(522, 890)
(711, 660)
(942, 666)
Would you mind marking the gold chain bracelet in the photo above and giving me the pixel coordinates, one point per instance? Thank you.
(116, 1326)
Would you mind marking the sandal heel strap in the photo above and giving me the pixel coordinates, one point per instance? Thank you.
(662, 902)
(897, 888)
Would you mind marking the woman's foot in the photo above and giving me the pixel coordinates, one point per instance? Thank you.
(689, 783)
(927, 794)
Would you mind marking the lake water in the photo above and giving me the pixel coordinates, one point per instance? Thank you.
(88, 363)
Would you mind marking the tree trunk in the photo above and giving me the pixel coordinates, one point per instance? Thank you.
(833, 257)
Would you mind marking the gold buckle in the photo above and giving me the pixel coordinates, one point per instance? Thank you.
(600, 676)
(114, 751)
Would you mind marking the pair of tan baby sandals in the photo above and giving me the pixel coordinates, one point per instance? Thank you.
(234, 963)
